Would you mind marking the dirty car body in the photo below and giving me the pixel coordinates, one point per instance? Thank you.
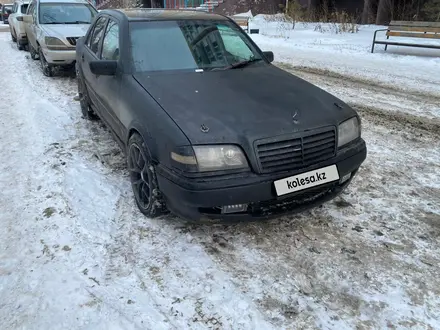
(230, 136)
(52, 28)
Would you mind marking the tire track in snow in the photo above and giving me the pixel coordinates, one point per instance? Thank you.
(402, 91)
(312, 270)
(338, 266)
(158, 270)
(55, 92)
(395, 103)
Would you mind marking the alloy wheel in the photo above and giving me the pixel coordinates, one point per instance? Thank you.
(45, 67)
(140, 177)
(32, 51)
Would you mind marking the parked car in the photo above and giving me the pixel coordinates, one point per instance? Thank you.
(210, 128)
(16, 24)
(52, 28)
(6, 11)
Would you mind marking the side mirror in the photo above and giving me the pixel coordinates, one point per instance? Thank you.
(103, 68)
(27, 18)
(269, 56)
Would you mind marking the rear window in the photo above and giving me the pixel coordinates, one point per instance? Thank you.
(24, 8)
(6, 8)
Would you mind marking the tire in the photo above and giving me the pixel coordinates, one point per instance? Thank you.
(19, 47)
(45, 67)
(84, 100)
(14, 39)
(33, 52)
(143, 179)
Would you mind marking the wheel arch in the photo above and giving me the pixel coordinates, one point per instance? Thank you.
(146, 137)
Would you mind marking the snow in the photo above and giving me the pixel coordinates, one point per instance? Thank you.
(75, 253)
(246, 14)
(350, 53)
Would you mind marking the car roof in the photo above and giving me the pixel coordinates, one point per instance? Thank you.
(160, 14)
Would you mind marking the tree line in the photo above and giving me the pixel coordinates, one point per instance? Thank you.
(379, 12)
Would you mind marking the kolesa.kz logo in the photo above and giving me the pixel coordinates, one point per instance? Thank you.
(305, 181)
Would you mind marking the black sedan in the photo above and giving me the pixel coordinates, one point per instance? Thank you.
(211, 129)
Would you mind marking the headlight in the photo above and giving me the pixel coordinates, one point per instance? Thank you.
(53, 43)
(348, 131)
(210, 158)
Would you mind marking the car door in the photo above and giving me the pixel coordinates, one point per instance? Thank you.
(108, 87)
(32, 11)
(92, 52)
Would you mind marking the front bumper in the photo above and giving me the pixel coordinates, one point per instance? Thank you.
(59, 57)
(199, 200)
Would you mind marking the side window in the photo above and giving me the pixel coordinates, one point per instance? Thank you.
(234, 44)
(89, 36)
(110, 45)
(23, 9)
(97, 33)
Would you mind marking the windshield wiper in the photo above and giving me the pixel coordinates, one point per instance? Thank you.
(242, 64)
(77, 22)
(54, 23)
(237, 65)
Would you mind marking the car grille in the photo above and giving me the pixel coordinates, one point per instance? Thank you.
(72, 40)
(283, 154)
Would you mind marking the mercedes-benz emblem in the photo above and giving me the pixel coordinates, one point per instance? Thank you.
(295, 117)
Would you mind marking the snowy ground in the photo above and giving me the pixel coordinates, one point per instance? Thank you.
(76, 254)
(349, 54)
(4, 27)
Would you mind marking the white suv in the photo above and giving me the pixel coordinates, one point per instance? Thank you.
(52, 28)
(16, 24)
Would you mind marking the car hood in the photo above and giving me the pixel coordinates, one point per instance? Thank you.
(65, 30)
(242, 104)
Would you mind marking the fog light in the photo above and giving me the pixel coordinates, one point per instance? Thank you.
(234, 208)
(345, 178)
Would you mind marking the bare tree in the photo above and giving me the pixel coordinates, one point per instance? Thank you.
(384, 11)
(366, 13)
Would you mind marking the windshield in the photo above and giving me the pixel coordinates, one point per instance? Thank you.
(189, 45)
(66, 13)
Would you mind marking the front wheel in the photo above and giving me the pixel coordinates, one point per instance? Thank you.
(143, 178)
(33, 52)
(45, 67)
(19, 46)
